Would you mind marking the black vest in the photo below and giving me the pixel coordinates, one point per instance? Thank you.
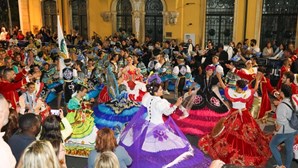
(151, 66)
(182, 70)
(67, 73)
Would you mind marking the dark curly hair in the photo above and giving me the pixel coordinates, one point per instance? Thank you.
(80, 87)
(288, 92)
(241, 84)
(153, 87)
(290, 75)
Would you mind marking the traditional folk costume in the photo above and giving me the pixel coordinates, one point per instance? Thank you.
(143, 68)
(154, 65)
(69, 75)
(92, 75)
(114, 68)
(9, 89)
(238, 139)
(283, 70)
(206, 108)
(33, 103)
(153, 142)
(119, 107)
(110, 89)
(83, 137)
(133, 80)
(261, 104)
(165, 72)
(115, 114)
(53, 85)
(181, 72)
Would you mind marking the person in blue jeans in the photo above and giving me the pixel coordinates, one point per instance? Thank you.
(283, 131)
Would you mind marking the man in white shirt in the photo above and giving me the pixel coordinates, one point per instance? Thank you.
(181, 72)
(28, 99)
(13, 41)
(254, 49)
(3, 34)
(154, 64)
(7, 159)
(218, 67)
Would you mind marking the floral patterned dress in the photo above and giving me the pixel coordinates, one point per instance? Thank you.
(206, 109)
(240, 140)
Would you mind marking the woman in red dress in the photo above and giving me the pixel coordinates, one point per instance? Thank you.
(132, 78)
(286, 67)
(237, 139)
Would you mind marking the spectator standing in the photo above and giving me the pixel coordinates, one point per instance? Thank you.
(105, 141)
(6, 157)
(29, 128)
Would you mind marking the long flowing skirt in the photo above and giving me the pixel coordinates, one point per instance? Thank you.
(206, 110)
(82, 140)
(114, 115)
(199, 122)
(163, 145)
(240, 141)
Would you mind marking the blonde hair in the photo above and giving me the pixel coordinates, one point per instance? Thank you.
(39, 154)
(107, 160)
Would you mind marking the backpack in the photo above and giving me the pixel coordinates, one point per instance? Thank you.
(294, 119)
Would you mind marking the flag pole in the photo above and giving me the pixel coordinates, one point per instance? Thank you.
(61, 40)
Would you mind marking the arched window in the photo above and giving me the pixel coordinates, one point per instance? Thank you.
(79, 17)
(50, 15)
(4, 19)
(279, 21)
(124, 19)
(154, 20)
(219, 21)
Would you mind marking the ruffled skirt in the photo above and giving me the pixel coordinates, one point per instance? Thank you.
(113, 116)
(240, 141)
(162, 145)
(199, 122)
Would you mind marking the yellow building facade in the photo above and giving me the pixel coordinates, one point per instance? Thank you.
(179, 18)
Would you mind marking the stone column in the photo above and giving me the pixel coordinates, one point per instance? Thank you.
(138, 19)
(114, 21)
(24, 15)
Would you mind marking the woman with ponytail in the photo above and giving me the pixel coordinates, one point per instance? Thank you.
(283, 131)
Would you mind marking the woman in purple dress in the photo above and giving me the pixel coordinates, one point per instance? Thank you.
(153, 141)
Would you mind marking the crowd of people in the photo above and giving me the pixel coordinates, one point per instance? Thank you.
(110, 93)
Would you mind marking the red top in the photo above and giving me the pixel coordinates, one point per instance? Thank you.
(9, 89)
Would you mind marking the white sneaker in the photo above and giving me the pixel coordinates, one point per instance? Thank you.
(166, 92)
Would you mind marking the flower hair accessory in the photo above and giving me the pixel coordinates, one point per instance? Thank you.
(212, 67)
(154, 78)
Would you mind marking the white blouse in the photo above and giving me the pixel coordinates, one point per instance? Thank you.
(156, 107)
(242, 98)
